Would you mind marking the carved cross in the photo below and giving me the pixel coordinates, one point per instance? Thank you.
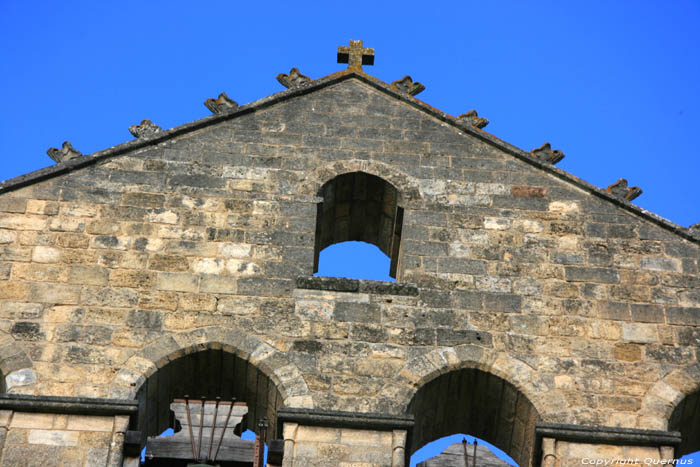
(355, 55)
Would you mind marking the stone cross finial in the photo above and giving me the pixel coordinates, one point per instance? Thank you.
(355, 55)
(221, 105)
(545, 153)
(406, 85)
(620, 190)
(472, 118)
(66, 153)
(293, 79)
(146, 129)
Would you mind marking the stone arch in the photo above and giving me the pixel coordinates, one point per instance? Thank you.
(16, 368)
(264, 378)
(409, 193)
(673, 403)
(426, 388)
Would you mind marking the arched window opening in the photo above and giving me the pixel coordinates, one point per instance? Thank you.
(356, 260)
(477, 403)
(359, 207)
(451, 450)
(686, 419)
(210, 375)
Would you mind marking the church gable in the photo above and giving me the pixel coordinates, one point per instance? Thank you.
(524, 296)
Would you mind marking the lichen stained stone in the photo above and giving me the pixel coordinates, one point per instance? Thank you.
(545, 154)
(293, 79)
(146, 129)
(621, 191)
(221, 105)
(472, 118)
(406, 85)
(66, 153)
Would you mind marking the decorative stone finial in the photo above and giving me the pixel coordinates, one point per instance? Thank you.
(407, 86)
(221, 105)
(472, 118)
(620, 190)
(146, 129)
(694, 230)
(66, 153)
(355, 55)
(545, 154)
(293, 79)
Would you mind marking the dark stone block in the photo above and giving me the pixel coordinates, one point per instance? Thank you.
(367, 333)
(202, 181)
(425, 248)
(468, 300)
(643, 313)
(264, 287)
(147, 319)
(357, 312)
(461, 266)
(450, 337)
(436, 298)
(503, 303)
(307, 346)
(583, 274)
(27, 331)
(683, 316)
(336, 284)
(621, 231)
(618, 311)
(98, 335)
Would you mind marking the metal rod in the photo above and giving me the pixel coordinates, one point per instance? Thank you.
(474, 458)
(221, 438)
(201, 426)
(189, 423)
(213, 427)
(260, 442)
(466, 454)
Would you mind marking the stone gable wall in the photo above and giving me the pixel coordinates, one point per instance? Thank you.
(584, 307)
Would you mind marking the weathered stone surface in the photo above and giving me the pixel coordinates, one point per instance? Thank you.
(66, 153)
(472, 118)
(620, 190)
(145, 129)
(195, 254)
(406, 85)
(293, 79)
(221, 104)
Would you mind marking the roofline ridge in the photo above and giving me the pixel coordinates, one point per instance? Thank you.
(320, 83)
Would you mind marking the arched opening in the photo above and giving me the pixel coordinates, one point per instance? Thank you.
(208, 373)
(356, 260)
(479, 404)
(359, 207)
(686, 419)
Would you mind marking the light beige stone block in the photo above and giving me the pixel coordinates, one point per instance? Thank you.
(54, 437)
(88, 423)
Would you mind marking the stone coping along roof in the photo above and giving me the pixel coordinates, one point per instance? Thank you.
(306, 87)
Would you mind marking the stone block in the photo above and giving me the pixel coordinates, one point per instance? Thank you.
(88, 275)
(211, 283)
(21, 222)
(32, 420)
(584, 274)
(640, 333)
(90, 423)
(661, 264)
(45, 254)
(53, 437)
(503, 303)
(178, 282)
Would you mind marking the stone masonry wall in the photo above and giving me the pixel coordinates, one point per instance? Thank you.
(110, 271)
(61, 440)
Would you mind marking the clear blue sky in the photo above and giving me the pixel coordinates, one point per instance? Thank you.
(615, 85)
